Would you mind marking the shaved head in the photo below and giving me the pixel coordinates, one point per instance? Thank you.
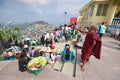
(93, 27)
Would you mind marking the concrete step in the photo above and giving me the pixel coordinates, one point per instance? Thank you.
(11, 72)
(58, 65)
(68, 68)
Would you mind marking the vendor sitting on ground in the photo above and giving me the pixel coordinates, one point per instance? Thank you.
(15, 50)
(12, 51)
(23, 60)
(67, 54)
(51, 56)
(8, 55)
(37, 52)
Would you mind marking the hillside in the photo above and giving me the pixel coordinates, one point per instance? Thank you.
(35, 29)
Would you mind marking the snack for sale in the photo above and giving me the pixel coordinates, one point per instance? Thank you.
(37, 63)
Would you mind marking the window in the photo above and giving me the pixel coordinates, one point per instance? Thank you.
(102, 10)
(91, 10)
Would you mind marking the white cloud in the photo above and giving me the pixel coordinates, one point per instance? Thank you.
(71, 6)
(48, 10)
(36, 4)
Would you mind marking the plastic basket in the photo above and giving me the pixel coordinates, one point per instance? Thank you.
(40, 59)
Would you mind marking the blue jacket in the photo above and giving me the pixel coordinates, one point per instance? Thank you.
(64, 55)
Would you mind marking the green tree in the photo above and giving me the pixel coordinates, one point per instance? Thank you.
(17, 34)
(8, 33)
(3, 35)
(3, 32)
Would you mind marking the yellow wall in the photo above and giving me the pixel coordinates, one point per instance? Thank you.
(98, 19)
(111, 12)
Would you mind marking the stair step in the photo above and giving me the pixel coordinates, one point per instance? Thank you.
(58, 65)
(68, 68)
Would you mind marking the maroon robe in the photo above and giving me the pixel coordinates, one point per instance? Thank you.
(88, 48)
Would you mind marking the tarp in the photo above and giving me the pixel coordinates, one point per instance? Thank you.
(73, 20)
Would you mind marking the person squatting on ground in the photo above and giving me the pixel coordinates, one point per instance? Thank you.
(23, 60)
(67, 54)
(37, 52)
(91, 46)
(51, 56)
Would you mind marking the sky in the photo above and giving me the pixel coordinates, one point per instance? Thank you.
(51, 11)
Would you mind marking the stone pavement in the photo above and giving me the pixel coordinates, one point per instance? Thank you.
(108, 68)
(9, 71)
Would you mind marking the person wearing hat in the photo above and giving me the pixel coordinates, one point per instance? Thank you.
(51, 56)
(26, 47)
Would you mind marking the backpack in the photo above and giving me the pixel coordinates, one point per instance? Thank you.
(22, 62)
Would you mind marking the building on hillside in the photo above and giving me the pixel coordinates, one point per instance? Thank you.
(97, 11)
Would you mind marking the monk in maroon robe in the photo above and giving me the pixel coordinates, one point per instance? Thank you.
(91, 46)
